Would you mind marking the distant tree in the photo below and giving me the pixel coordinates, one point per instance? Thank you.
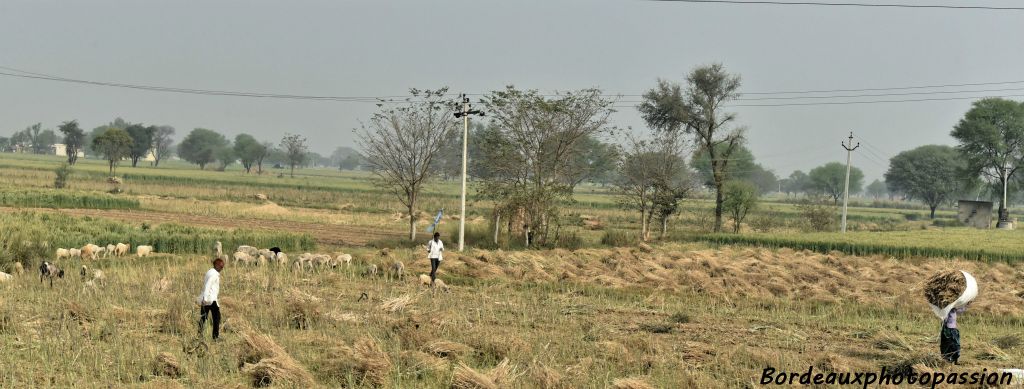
(877, 189)
(763, 179)
(351, 162)
(73, 139)
(116, 123)
(594, 161)
(249, 150)
(928, 173)
(267, 149)
(830, 179)
(537, 140)
(699, 111)
(36, 139)
(114, 144)
(345, 158)
(401, 142)
(797, 182)
(5, 144)
(740, 199)
(991, 142)
(142, 141)
(295, 149)
(201, 146)
(226, 156)
(163, 143)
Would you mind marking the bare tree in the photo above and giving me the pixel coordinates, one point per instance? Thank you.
(266, 150)
(531, 163)
(653, 178)
(295, 149)
(163, 143)
(698, 110)
(400, 144)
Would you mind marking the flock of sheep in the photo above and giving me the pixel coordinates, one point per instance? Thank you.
(243, 255)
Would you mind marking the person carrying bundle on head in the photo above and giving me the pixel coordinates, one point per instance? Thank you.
(949, 336)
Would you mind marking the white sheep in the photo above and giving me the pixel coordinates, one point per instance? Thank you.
(74, 253)
(143, 251)
(243, 258)
(424, 280)
(345, 259)
(218, 249)
(372, 270)
(439, 284)
(397, 270)
(109, 251)
(121, 249)
(4, 277)
(282, 259)
(89, 251)
(63, 253)
(252, 251)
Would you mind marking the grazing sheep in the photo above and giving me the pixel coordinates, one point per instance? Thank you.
(323, 260)
(397, 270)
(121, 250)
(372, 270)
(63, 253)
(344, 259)
(424, 280)
(282, 259)
(50, 271)
(109, 251)
(439, 284)
(89, 251)
(218, 249)
(74, 253)
(143, 251)
(252, 251)
(97, 275)
(243, 258)
(18, 268)
(4, 277)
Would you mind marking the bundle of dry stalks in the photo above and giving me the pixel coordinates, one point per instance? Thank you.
(546, 377)
(366, 358)
(397, 304)
(418, 360)
(277, 371)
(500, 376)
(166, 364)
(944, 288)
(631, 383)
(445, 349)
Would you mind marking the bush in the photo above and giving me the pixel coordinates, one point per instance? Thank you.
(817, 216)
(63, 173)
(620, 238)
(766, 221)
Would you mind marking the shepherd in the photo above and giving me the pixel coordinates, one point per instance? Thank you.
(434, 249)
(208, 299)
(949, 337)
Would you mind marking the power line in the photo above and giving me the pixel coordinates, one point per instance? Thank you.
(866, 5)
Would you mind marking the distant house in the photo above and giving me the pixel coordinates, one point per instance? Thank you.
(62, 150)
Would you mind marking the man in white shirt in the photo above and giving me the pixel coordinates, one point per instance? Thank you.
(208, 299)
(434, 249)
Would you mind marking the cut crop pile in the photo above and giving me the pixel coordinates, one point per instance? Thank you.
(944, 288)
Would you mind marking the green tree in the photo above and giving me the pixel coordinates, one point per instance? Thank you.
(797, 182)
(830, 179)
(114, 144)
(740, 198)
(877, 189)
(142, 142)
(5, 144)
(991, 141)
(594, 161)
(249, 151)
(928, 173)
(653, 179)
(200, 146)
(295, 149)
(73, 139)
(226, 156)
(116, 123)
(698, 111)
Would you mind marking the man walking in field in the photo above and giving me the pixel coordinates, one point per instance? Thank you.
(208, 299)
(434, 249)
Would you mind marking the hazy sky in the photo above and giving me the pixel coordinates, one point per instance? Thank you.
(379, 48)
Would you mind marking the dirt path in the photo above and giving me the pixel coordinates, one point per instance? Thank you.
(325, 234)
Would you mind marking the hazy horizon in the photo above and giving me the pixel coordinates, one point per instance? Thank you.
(365, 48)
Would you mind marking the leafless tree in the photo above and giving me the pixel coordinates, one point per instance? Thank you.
(400, 144)
(163, 144)
(294, 146)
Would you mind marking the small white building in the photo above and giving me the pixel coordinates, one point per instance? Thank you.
(62, 150)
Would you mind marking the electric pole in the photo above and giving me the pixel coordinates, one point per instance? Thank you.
(464, 113)
(846, 189)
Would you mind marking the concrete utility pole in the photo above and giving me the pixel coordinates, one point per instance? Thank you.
(464, 113)
(1004, 213)
(846, 189)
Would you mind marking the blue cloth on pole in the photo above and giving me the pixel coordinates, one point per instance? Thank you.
(437, 219)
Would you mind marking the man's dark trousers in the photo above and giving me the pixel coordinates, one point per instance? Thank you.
(207, 309)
